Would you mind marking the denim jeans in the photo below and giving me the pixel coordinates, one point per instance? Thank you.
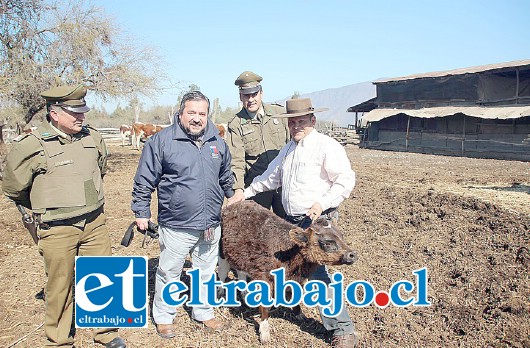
(341, 324)
(175, 245)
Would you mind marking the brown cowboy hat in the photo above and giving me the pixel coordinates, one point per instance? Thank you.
(299, 107)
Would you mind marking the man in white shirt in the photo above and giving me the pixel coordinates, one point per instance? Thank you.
(316, 176)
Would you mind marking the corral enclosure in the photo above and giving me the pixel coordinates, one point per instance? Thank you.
(457, 134)
(466, 220)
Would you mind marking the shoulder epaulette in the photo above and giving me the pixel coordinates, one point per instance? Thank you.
(18, 138)
(233, 117)
(273, 109)
(238, 115)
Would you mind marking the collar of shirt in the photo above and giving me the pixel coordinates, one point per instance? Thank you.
(308, 139)
(258, 115)
(59, 132)
(68, 138)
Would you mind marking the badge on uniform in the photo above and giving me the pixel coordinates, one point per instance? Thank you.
(275, 121)
(214, 151)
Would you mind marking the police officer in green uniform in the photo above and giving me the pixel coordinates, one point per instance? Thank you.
(56, 171)
(255, 138)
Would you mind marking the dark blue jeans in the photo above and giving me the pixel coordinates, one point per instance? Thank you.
(342, 323)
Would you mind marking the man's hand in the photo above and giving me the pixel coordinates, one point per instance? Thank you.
(142, 223)
(315, 211)
(238, 196)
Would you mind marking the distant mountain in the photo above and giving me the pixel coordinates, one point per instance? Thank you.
(338, 100)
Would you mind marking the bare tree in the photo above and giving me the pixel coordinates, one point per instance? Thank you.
(215, 110)
(46, 43)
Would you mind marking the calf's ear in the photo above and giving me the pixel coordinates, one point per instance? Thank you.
(298, 236)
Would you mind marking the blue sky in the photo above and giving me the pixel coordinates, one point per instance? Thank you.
(307, 46)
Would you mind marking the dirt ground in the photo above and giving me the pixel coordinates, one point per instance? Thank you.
(466, 220)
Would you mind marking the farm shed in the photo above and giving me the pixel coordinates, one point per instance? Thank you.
(361, 109)
(477, 112)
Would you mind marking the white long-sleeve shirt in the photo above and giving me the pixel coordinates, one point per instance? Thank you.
(316, 169)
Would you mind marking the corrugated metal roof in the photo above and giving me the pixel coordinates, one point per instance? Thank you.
(505, 112)
(461, 71)
(365, 106)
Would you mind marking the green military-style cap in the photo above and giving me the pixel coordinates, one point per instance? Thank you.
(248, 82)
(71, 98)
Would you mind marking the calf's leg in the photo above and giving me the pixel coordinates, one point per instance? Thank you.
(223, 269)
(264, 326)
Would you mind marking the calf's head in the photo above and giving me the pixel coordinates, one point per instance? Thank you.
(324, 244)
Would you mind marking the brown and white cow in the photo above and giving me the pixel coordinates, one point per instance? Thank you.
(125, 133)
(257, 241)
(144, 131)
(222, 128)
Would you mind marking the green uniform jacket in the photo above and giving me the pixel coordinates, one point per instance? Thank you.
(254, 143)
(57, 177)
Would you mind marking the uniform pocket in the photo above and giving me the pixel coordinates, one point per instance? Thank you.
(251, 140)
(278, 136)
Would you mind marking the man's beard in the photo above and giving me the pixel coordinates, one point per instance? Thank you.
(190, 132)
(192, 135)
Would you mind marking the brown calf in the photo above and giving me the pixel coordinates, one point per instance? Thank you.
(256, 241)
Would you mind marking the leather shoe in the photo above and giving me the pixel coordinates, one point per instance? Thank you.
(213, 324)
(118, 342)
(165, 330)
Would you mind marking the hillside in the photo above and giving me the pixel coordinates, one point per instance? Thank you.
(338, 100)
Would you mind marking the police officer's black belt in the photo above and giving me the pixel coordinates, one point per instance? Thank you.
(68, 221)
